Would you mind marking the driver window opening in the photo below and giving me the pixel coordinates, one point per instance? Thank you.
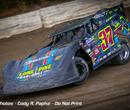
(79, 32)
(91, 27)
(66, 37)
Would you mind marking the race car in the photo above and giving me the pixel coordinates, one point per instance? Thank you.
(79, 47)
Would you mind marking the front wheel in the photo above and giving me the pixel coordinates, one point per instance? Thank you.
(82, 69)
(124, 56)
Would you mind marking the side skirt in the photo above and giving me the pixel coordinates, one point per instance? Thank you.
(107, 59)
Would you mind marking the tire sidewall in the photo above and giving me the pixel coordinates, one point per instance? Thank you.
(86, 73)
(124, 61)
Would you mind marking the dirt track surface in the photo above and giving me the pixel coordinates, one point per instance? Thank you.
(107, 88)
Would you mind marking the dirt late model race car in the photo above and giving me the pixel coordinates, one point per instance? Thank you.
(86, 43)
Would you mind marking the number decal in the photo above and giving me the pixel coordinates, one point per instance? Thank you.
(106, 37)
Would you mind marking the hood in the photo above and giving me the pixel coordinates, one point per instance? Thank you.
(37, 65)
(48, 68)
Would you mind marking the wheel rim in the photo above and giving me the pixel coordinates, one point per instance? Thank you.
(80, 68)
(125, 54)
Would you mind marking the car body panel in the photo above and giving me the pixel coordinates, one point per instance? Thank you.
(40, 71)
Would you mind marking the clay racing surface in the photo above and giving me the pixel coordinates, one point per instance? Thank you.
(107, 88)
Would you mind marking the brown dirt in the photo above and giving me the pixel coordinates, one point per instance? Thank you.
(22, 9)
(107, 88)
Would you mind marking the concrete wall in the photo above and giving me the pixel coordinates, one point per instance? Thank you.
(20, 24)
(53, 15)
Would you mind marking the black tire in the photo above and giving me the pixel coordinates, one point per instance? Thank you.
(123, 57)
(82, 69)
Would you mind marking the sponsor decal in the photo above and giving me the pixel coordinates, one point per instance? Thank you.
(44, 68)
(39, 72)
(36, 60)
(45, 57)
(96, 51)
(58, 57)
(89, 41)
(26, 73)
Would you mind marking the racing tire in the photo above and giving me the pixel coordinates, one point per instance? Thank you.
(82, 69)
(123, 57)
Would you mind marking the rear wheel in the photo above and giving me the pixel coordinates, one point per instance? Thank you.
(82, 69)
(124, 56)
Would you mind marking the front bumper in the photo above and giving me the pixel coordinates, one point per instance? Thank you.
(61, 77)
